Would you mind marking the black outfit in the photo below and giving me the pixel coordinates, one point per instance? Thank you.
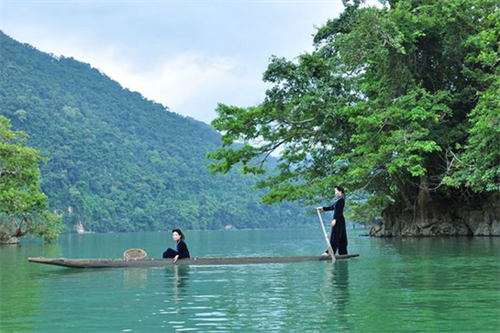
(338, 236)
(182, 251)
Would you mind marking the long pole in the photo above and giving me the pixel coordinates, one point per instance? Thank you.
(326, 236)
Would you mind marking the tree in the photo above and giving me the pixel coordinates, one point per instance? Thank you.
(479, 160)
(23, 208)
(400, 102)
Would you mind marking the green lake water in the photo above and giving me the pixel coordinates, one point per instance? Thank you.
(396, 285)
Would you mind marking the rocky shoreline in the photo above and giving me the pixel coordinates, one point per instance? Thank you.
(480, 218)
(10, 241)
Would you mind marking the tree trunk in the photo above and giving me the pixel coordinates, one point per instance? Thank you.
(423, 207)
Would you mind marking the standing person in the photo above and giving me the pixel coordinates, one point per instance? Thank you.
(182, 249)
(338, 237)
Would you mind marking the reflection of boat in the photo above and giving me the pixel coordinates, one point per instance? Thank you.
(107, 263)
(79, 228)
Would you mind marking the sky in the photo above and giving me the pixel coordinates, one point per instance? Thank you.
(186, 55)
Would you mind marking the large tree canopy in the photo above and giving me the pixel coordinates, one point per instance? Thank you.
(400, 102)
(23, 208)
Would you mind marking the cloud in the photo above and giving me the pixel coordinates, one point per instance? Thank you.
(186, 55)
(192, 83)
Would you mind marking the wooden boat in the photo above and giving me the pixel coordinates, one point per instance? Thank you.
(154, 262)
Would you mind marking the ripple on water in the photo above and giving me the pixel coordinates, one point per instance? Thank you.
(407, 286)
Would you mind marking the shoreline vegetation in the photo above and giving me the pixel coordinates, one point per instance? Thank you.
(419, 155)
(368, 229)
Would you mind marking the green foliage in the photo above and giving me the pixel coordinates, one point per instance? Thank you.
(397, 102)
(366, 209)
(23, 207)
(119, 162)
(480, 159)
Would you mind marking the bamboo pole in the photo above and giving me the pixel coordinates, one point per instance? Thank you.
(330, 249)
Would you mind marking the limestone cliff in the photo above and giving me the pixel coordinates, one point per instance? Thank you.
(472, 217)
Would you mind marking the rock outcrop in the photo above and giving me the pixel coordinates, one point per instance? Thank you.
(9, 241)
(479, 217)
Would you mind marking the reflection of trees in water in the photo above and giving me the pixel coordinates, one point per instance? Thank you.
(21, 283)
(336, 293)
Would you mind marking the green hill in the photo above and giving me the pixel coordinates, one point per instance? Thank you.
(120, 162)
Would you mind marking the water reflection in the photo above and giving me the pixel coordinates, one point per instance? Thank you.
(179, 275)
(134, 278)
(397, 285)
(172, 306)
(19, 291)
(336, 293)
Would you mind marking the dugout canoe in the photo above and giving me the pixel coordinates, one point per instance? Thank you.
(154, 262)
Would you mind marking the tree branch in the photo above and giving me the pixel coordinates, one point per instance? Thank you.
(299, 122)
(19, 232)
(10, 173)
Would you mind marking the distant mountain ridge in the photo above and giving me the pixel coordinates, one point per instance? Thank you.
(120, 162)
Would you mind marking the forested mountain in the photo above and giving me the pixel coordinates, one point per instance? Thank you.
(120, 162)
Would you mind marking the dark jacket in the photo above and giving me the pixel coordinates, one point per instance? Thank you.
(182, 249)
(338, 209)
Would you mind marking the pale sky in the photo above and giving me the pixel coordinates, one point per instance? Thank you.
(187, 55)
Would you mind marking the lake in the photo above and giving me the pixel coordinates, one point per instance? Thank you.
(396, 285)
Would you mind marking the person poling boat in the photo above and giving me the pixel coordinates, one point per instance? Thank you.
(182, 249)
(338, 237)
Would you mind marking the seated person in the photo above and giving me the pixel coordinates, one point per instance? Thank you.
(182, 249)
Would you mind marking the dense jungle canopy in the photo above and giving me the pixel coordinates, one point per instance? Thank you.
(398, 102)
(116, 161)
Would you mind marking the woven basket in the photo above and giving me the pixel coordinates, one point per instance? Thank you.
(134, 254)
